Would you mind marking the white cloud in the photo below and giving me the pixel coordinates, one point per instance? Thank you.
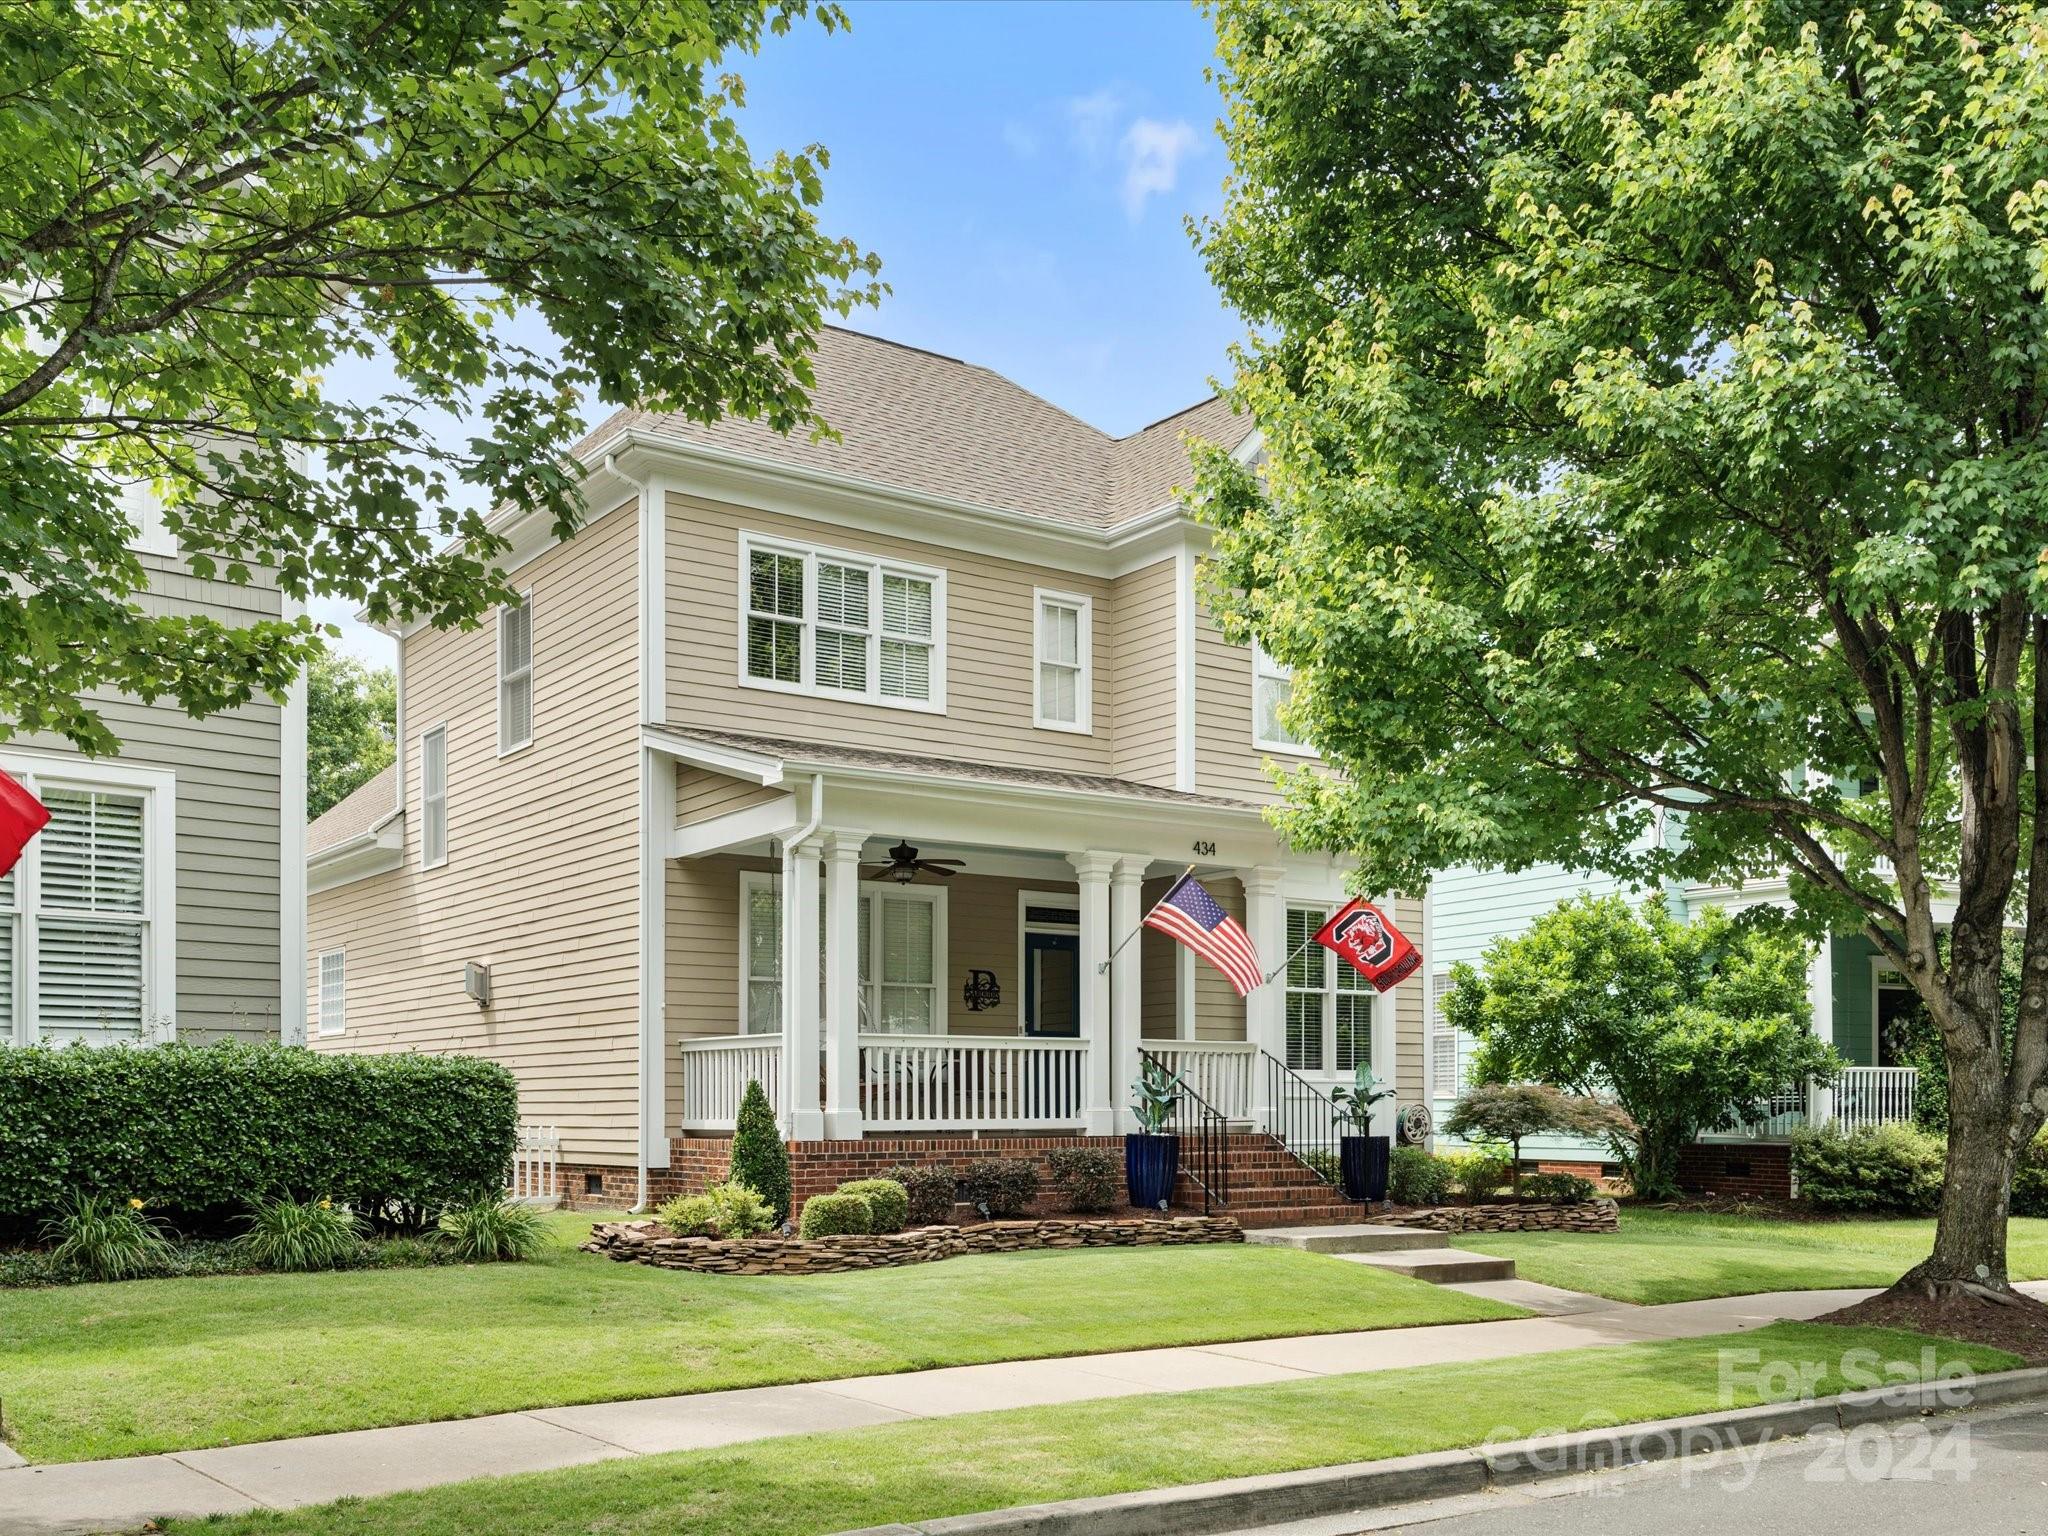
(1152, 153)
(1092, 120)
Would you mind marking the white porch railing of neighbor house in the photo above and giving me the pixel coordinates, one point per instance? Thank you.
(715, 1075)
(951, 1082)
(1867, 1096)
(536, 1150)
(1219, 1071)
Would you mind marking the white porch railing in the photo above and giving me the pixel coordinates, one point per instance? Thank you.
(954, 1082)
(1219, 1071)
(536, 1152)
(1866, 1096)
(716, 1072)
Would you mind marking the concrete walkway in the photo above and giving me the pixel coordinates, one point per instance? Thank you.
(92, 1496)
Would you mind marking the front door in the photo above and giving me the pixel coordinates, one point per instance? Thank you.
(1052, 984)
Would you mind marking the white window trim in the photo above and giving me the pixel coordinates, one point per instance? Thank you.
(507, 748)
(329, 1030)
(1264, 666)
(159, 787)
(426, 801)
(878, 566)
(1333, 967)
(752, 880)
(1026, 900)
(1084, 684)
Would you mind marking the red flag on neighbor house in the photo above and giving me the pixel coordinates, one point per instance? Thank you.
(1374, 947)
(22, 816)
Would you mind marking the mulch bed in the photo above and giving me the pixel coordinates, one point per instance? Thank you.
(2020, 1329)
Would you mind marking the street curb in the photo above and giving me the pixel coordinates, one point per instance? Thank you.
(1276, 1498)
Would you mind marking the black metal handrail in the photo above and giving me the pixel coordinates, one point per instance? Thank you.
(1204, 1133)
(1305, 1120)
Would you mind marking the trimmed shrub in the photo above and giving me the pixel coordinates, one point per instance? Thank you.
(295, 1235)
(1416, 1177)
(198, 1131)
(760, 1158)
(105, 1239)
(888, 1201)
(1087, 1178)
(495, 1231)
(931, 1187)
(1477, 1175)
(1877, 1168)
(728, 1210)
(1562, 1188)
(836, 1216)
(1001, 1186)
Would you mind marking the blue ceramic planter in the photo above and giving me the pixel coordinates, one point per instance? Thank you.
(1150, 1166)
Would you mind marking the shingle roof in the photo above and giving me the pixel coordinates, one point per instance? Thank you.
(355, 813)
(829, 754)
(935, 425)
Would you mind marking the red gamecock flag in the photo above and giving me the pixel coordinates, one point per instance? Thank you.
(1190, 914)
(1373, 946)
(22, 816)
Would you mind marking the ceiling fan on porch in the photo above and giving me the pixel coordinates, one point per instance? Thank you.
(904, 864)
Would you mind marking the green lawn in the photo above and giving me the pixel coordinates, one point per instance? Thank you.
(803, 1485)
(1685, 1255)
(154, 1365)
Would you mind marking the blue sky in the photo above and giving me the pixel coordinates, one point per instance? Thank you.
(1023, 170)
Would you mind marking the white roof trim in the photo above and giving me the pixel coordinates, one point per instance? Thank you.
(734, 762)
(377, 850)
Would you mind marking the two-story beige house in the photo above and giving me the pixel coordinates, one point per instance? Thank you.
(846, 766)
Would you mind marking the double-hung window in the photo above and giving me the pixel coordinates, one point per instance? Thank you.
(434, 798)
(1272, 687)
(841, 625)
(1063, 643)
(902, 956)
(515, 674)
(1329, 1005)
(84, 940)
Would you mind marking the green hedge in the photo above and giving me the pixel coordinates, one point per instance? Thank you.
(200, 1132)
(839, 1215)
(1891, 1168)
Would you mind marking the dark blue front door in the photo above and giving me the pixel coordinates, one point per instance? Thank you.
(1052, 984)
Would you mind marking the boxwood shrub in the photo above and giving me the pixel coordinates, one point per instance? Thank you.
(200, 1132)
(1416, 1177)
(836, 1216)
(888, 1201)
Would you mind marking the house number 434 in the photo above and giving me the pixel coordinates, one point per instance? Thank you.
(1205, 849)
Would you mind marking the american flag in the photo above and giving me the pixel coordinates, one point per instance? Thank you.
(1190, 914)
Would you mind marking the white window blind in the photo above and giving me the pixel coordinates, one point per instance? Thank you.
(819, 622)
(1272, 687)
(434, 797)
(90, 923)
(761, 947)
(333, 992)
(1063, 645)
(1443, 1041)
(899, 962)
(905, 1004)
(10, 931)
(515, 674)
(1329, 1005)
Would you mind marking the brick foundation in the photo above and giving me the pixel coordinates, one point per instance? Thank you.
(1733, 1170)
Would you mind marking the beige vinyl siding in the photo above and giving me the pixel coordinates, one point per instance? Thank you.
(1145, 683)
(1226, 762)
(1219, 1011)
(542, 878)
(702, 795)
(228, 792)
(989, 648)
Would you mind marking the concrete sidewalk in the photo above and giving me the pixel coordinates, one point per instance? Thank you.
(92, 1496)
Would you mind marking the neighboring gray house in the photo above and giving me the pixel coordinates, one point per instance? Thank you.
(167, 895)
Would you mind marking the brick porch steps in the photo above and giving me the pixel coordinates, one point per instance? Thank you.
(1270, 1188)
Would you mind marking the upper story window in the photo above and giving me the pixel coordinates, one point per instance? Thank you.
(434, 798)
(825, 622)
(1272, 687)
(1329, 1005)
(515, 674)
(1065, 666)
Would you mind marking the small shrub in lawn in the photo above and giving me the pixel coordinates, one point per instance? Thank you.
(888, 1201)
(1896, 1168)
(729, 1210)
(1559, 1188)
(495, 1230)
(836, 1216)
(760, 1158)
(106, 1239)
(1479, 1175)
(1415, 1177)
(292, 1235)
(1001, 1186)
(931, 1187)
(1087, 1178)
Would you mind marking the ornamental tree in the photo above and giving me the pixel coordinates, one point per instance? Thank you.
(206, 205)
(1652, 403)
(1688, 1027)
(1511, 1112)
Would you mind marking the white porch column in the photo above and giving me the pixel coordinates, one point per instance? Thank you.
(842, 984)
(1126, 907)
(1098, 1108)
(1265, 1011)
(800, 1036)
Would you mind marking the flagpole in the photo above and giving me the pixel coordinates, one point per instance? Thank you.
(1304, 944)
(1141, 921)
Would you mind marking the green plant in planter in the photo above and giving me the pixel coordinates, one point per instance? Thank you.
(105, 1238)
(1355, 1104)
(1153, 1096)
